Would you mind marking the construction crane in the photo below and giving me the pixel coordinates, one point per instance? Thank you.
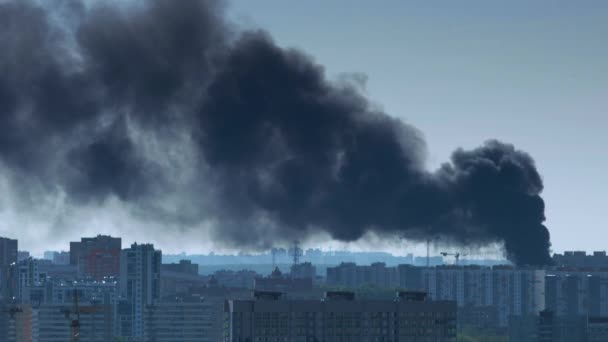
(455, 255)
(73, 316)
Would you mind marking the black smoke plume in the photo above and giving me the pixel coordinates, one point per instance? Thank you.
(282, 150)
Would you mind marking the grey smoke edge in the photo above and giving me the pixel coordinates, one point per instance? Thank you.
(285, 151)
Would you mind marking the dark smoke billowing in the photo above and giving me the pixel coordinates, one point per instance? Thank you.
(97, 100)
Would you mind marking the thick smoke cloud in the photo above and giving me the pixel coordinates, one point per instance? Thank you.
(282, 151)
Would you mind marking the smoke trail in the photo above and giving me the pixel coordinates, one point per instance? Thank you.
(281, 150)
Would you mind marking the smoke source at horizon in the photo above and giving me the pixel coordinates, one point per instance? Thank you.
(170, 109)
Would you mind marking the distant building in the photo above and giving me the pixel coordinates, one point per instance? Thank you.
(290, 287)
(511, 291)
(22, 255)
(8, 251)
(352, 275)
(61, 258)
(305, 270)
(339, 317)
(184, 266)
(581, 259)
(243, 279)
(178, 278)
(140, 281)
(97, 257)
(48, 255)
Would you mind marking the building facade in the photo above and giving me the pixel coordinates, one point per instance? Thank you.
(339, 317)
(52, 323)
(140, 281)
(184, 321)
(8, 251)
(352, 275)
(577, 292)
(97, 257)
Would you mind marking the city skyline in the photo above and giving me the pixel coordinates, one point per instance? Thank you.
(238, 170)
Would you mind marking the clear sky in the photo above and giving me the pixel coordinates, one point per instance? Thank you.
(533, 73)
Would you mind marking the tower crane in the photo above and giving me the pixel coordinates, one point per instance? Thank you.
(73, 316)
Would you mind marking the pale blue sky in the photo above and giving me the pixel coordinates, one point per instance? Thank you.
(533, 73)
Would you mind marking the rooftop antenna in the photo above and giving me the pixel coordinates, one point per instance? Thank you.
(273, 251)
(296, 253)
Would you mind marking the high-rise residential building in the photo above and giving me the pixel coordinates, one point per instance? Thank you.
(74, 252)
(97, 257)
(244, 279)
(140, 281)
(8, 251)
(570, 292)
(352, 275)
(410, 277)
(340, 317)
(26, 274)
(508, 290)
(188, 319)
(8, 256)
